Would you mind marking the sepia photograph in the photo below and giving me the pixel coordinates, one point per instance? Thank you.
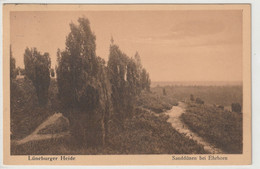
(127, 80)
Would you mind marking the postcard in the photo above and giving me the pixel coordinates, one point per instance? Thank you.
(127, 84)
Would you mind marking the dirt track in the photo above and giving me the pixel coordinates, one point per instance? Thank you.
(176, 122)
(35, 136)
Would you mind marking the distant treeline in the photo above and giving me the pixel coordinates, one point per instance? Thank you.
(219, 95)
(93, 94)
(196, 83)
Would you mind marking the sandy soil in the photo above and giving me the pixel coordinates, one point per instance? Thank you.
(176, 122)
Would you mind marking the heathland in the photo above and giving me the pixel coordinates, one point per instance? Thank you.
(89, 106)
(147, 132)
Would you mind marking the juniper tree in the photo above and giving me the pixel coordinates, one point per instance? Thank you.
(37, 69)
(52, 73)
(21, 71)
(83, 86)
(139, 68)
(117, 65)
(145, 80)
(127, 78)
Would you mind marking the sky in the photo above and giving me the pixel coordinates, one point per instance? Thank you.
(192, 45)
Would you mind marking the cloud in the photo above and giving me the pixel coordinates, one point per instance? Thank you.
(197, 33)
(191, 29)
(196, 28)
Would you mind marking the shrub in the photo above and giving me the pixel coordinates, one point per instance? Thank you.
(164, 92)
(199, 101)
(236, 107)
(192, 98)
(221, 107)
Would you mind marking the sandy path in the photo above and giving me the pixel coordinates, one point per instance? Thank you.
(35, 136)
(176, 122)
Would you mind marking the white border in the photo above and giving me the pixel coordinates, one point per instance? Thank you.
(255, 6)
